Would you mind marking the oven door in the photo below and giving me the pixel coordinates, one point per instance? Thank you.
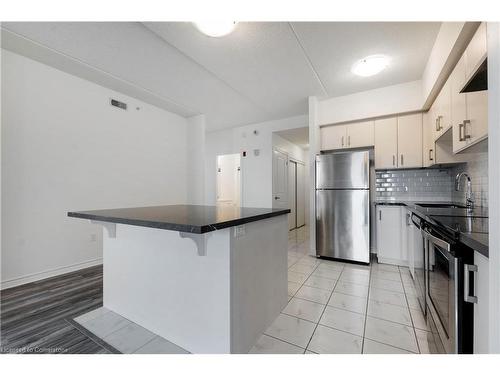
(442, 290)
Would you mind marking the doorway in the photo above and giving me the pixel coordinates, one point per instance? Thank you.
(296, 194)
(228, 180)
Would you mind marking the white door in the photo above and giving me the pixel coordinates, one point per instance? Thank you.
(301, 195)
(410, 141)
(386, 143)
(228, 180)
(360, 134)
(333, 137)
(280, 178)
(292, 195)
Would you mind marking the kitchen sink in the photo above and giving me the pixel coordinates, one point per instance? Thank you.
(440, 205)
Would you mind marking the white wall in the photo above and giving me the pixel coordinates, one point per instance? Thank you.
(494, 182)
(256, 177)
(65, 148)
(405, 97)
(196, 130)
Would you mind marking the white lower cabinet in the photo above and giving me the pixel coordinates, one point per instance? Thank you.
(481, 313)
(390, 238)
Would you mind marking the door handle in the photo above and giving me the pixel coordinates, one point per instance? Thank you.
(380, 215)
(402, 160)
(437, 123)
(430, 154)
(393, 159)
(342, 141)
(276, 198)
(439, 127)
(460, 132)
(466, 136)
(348, 140)
(468, 268)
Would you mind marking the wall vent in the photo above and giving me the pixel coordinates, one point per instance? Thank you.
(118, 104)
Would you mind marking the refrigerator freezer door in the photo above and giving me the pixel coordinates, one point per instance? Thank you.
(343, 224)
(343, 170)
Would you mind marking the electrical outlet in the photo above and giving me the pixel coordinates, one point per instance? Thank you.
(239, 231)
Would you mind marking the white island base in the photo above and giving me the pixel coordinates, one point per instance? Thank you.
(212, 293)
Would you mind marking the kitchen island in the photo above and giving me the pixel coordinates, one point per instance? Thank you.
(209, 279)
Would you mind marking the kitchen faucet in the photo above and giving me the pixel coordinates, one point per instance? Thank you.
(469, 200)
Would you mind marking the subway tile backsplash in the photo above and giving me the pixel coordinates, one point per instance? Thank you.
(433, 184)
(414, 184)
(477, 169)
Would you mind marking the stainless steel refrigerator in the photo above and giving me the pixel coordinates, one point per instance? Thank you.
(343, 205)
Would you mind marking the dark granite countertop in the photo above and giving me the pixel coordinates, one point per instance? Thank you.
(472, 225)
(182, 218)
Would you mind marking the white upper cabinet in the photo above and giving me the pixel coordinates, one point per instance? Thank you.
(441, 110)
(358, 134)
(333, 137)
(428, 150)
(469, 110)
(458, 104)
(386, 143)
(476, 51)
(410, 141)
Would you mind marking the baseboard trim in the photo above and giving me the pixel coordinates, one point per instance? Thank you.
(6, 284)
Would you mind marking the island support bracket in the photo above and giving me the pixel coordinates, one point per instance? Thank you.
(200, 241)
(110, 227)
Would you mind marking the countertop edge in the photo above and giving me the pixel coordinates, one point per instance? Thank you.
(197, 229)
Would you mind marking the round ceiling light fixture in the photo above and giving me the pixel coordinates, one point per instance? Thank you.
(370, 65)
(215, 29)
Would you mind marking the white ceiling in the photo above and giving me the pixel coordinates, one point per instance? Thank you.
(260, 72)
(298, 136)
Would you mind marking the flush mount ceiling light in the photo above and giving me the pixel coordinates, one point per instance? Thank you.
(370, 65)
(216, 28)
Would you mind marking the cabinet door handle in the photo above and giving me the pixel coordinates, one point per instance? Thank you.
(430, 154)
(437, 123)
(380, 215)
(466, 136)
(402, 160)
(393, 159)
(348, 140)
(460, 131)
(342, 141)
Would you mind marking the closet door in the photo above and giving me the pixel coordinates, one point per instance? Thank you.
(301, 196)
(292, 194)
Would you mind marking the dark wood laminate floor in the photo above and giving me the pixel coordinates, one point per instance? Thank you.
(36, 317)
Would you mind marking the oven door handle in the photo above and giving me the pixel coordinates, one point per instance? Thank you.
(468, 268)
(419, 224)
(437, 241)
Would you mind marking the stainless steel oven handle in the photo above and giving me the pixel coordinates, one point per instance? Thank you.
(437, 241)
(468, 268)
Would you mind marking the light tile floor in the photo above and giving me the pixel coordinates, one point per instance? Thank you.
(333, 307)
(337, 307)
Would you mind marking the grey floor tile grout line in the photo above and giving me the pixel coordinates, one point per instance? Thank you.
(286, 342)
(98, 340)
(152, 338)
(366, 311)
(411, 317)
(321, 316)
